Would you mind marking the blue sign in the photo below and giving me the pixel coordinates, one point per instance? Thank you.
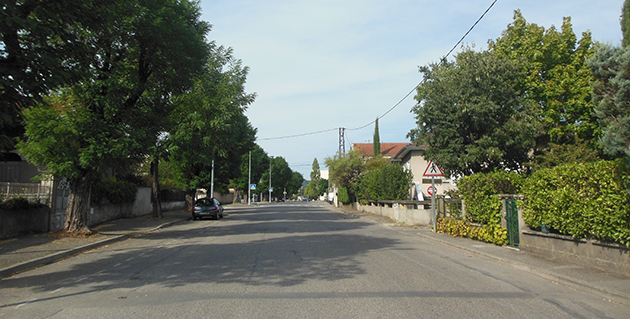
(271, 189)
(252, 187)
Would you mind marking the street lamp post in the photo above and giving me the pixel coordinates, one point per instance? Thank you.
(270, 158)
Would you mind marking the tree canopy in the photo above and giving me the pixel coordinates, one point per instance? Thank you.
(555, 77)
(472, 115)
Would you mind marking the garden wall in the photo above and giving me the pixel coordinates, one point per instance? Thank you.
(566, 249)
(408, 212)
(590, 253)
(16, 223)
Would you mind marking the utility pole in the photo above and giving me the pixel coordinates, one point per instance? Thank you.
(249, 181)
(212, 177)
(270, 159)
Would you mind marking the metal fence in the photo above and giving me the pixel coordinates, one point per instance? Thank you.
(30, 191)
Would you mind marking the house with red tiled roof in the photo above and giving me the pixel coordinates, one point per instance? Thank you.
(411, 157)
(388, 150)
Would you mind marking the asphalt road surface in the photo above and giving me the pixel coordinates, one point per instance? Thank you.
(288, 260)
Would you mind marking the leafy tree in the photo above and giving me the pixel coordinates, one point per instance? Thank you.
(376, 145)
(315, 173)
(296, 183)
(472, 115)
(209, 124)
(322, 186)
(312, 189)
(281, 176)
(555, 77)
(611, 94)
(44, 44)
(344, 168)
(241, 182)
(142, 46)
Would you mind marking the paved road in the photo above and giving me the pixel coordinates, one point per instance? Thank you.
(288, 261)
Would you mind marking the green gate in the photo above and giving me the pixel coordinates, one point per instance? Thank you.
(511, 217)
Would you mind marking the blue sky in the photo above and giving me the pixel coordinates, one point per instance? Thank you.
(323, 64)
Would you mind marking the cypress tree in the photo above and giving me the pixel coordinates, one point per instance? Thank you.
(376, 146)
(625, 23)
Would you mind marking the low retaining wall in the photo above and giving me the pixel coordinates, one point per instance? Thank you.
(400, 213)
(591, 253)
(16, 223)
(102, 213)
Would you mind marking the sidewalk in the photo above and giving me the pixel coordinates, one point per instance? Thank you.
(25, 252)
(610, 286)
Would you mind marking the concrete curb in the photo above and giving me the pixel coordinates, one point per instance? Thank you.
(38, 262)
(613, 296)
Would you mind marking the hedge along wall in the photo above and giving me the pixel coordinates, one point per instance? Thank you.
(584, 200)
(483, 206)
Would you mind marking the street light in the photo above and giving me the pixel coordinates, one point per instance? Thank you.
(249, 181)
(270, 158)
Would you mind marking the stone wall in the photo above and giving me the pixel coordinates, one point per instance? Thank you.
(400, 213)
(591, 253)
(16, 223)
(566, 249)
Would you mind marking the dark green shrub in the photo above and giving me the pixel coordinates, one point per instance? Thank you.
(584, 200)
(479, 193)
(387, 182)
(16, 203)
(116, 192)
(343, 195)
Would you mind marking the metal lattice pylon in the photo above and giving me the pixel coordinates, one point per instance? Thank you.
(342, 140)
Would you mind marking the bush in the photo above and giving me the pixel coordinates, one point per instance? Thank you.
(462, 228)
(19, 203)
(116, 192)
(387, 182)
(343, 195)
(479, 193)
(584, 200)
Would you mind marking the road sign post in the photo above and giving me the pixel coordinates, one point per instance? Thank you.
(433, 171)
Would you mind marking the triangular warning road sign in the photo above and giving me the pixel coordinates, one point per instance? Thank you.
(433, 170)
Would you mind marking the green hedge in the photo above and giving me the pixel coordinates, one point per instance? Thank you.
(388, 182)
(584, 200)
(343, 195)
(116, 192)
(479, 193)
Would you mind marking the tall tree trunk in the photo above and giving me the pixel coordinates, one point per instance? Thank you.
(78, 204)
(155, 190)
(190, 198)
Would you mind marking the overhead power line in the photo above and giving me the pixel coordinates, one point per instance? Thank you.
(297, 135)
(421, 82)
(405, 97)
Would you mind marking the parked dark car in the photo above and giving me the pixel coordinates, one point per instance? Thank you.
(207, 207)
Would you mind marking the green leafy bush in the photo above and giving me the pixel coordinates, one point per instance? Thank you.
(387, 182)
(343, 195)
(116, 192)
(584, 200)
(463, 228)
(479, 193)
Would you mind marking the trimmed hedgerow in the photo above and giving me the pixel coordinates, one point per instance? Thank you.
(479, 193)
(482, 206)
(583, 200)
